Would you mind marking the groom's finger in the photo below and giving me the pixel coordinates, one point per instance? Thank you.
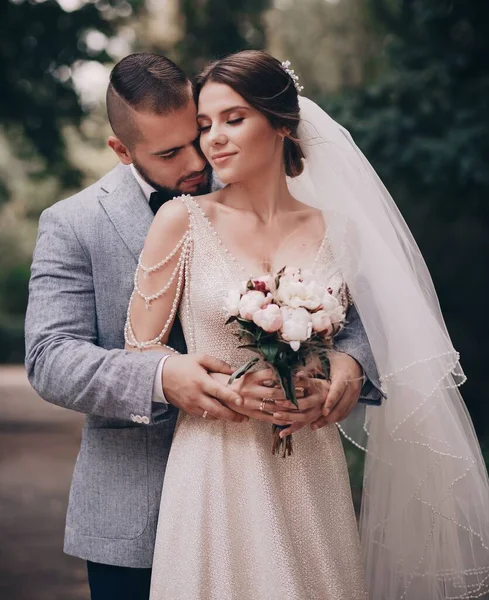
(340, 410)
(217, 410)
(222, 393)
(214, 365)
(335, 393)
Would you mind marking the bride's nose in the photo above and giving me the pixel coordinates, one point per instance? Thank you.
(217, 137)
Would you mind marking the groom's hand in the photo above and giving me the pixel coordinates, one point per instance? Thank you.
(188, 386)
(346, 384)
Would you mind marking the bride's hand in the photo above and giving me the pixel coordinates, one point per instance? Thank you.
(252, 388)
(310, 406)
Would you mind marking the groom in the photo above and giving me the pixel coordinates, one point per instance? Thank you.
(82, 277)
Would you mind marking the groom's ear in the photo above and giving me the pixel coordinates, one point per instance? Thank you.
(120, 149)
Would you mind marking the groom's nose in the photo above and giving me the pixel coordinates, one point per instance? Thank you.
(195, 160)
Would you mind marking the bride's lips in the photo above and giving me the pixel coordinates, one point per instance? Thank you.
(222, 157)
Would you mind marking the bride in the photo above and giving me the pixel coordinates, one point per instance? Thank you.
(238, 522)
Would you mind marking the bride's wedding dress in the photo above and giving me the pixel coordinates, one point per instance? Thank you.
(236, 522)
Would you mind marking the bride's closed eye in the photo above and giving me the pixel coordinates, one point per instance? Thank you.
(204, 128)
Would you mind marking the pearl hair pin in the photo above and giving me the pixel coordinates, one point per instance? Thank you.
(292, 74)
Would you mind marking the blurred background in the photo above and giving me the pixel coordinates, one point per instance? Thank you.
(409, 78)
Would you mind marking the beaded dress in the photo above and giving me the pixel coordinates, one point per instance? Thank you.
(236, 522)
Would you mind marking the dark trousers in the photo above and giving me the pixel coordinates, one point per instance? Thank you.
(118, 583)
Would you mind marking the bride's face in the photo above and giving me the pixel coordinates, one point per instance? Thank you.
(236, 138)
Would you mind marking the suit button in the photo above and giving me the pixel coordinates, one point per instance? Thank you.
(138, 419)
(145, 420)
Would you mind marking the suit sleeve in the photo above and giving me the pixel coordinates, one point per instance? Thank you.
(64, 364)
(353, 340)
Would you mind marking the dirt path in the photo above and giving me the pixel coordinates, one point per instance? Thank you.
(38, 447)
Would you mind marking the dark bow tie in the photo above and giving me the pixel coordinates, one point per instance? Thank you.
(157, 199)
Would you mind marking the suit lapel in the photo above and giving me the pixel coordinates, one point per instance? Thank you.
(129, 211)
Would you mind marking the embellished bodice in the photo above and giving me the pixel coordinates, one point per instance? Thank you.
(213, 271)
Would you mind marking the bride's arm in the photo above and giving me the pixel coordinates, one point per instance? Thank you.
(158, 290)
(159, 279)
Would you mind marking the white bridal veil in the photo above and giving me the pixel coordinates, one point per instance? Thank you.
(425, 511)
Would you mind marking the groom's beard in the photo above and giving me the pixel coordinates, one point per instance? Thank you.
(203, 188)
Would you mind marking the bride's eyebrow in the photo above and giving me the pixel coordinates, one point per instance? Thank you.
(226, 110)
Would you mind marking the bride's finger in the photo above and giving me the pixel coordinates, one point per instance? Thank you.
(294, 428)
(300, 417)
(264, 376)
(259, 392)
(268, 418)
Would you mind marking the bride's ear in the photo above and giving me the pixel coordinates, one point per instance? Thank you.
(283, 133)
(120, 149)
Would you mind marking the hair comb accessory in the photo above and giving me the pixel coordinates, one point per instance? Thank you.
(292, 74)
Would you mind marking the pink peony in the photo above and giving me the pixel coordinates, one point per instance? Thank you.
(268, 318)
(250, 303)
(265, 284)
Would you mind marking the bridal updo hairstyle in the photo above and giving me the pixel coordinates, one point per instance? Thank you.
(260, 79)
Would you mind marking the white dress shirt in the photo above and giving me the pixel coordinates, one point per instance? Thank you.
(158, 394)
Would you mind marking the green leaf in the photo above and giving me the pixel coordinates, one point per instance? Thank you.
(284, 372)
(243, 369)
(326, 366)
(269, 351)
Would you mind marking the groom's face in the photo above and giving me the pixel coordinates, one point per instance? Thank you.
(167, 154)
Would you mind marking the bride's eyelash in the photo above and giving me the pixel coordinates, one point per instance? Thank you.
(204, 128)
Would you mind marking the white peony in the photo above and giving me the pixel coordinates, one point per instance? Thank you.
(250, 303)
(231, 304)
(297, 326)
(335, 310)
(269, 318)
(296, 293)
(321, 322)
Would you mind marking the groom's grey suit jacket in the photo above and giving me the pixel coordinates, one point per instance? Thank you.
(82, 277)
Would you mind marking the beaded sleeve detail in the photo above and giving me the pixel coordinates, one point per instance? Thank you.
(178, 274)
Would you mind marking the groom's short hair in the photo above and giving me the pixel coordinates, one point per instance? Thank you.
(144, 82)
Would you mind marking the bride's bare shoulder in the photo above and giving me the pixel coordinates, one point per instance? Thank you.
(170, 225)
(312, 218)
(209, 203)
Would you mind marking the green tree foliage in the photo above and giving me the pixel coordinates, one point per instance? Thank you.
(39, 44)
(424, 124)
(425, 119)
(214, 28)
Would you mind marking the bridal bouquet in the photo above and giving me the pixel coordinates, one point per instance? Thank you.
(286, 319)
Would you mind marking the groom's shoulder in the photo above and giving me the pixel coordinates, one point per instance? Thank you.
(85, 203)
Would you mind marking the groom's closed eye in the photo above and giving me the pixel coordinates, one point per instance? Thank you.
(172, 152)
(169, 155)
